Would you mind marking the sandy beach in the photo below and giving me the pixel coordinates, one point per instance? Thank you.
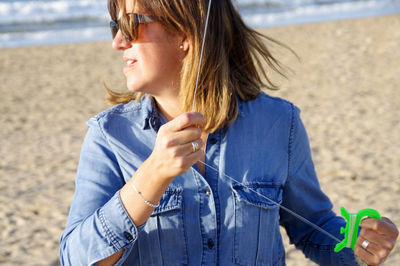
(346, 83)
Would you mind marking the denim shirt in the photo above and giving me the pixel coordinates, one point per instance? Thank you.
(202, 220)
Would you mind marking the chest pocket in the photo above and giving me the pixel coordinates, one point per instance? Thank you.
(162, 240)
(257, 237)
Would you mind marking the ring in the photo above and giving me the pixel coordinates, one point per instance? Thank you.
(195, 146)
(365, 244)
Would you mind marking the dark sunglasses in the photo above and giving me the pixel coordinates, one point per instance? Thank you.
(133, 21)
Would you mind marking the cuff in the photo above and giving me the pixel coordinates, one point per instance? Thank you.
(117, 224)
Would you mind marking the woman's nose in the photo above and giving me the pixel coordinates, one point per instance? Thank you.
(120, 43)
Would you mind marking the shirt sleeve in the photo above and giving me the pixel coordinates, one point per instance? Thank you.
(98, 224)
(303, 195)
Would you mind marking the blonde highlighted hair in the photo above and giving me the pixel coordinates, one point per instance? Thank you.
(232, 65)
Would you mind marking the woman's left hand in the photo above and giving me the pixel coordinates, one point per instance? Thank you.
(381, 236)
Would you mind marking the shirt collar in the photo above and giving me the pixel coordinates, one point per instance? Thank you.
(240, 106)
(151, 116)
(152, 119)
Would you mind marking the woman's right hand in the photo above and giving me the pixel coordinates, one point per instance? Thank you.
(173, 152)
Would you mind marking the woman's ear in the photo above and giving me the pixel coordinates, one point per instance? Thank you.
(185, 44)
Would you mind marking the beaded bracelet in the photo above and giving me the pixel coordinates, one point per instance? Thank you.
(140, 194)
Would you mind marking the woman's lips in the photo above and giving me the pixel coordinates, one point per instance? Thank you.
(129, 64)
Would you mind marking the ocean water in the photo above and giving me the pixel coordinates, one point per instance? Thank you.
(37, 22)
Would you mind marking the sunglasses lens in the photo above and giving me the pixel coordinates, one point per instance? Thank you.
(114, 28)
(128, 26)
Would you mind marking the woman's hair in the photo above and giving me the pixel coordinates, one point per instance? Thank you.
(232, 65)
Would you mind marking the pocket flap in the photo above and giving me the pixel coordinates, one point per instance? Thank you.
(171, 200)
(259, 194)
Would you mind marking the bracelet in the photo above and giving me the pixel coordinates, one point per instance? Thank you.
(140, 194)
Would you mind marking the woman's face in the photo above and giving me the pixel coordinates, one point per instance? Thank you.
(154, 60)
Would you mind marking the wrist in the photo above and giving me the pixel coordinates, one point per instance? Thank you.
(153, 205)
(146, 186)
(154, 168)
(149, 178)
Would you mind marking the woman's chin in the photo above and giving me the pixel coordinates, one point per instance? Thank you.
(133, 86)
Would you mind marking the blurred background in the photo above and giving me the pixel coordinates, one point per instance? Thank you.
(55, 54)
(35, 22)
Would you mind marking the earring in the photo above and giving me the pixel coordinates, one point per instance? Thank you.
(181, 46)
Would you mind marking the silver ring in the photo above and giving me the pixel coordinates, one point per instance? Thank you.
(365, 244)
(195, 146)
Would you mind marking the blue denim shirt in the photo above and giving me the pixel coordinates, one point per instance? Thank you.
(202, 220)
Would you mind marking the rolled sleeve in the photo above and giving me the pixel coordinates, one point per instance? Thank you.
(118, 226)
(303, 194)
(98, 224)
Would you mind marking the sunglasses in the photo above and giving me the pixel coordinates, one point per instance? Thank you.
(130, 29)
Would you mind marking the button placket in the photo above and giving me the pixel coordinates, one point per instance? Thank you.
(209, 222)
(213, 140)
(128, 236)
(210, 243)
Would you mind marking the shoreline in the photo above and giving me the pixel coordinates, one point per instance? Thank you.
(260, 20)
(346, 84)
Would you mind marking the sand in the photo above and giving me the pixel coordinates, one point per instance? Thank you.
(346, 85)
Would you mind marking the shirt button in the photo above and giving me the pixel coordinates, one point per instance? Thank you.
(213, 141)
(207, 191)
(210, 243)
(128, 236)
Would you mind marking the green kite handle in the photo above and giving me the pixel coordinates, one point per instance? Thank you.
(352, 224)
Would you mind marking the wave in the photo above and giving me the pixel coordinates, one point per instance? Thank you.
(61, 11)
(305, 12)
(28, 22)
(54, 37)
(51, 11)
(47, 12)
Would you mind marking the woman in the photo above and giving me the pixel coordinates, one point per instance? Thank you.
(156, 182)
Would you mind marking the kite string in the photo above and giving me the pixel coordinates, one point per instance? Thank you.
(301, 218)
(298, 216)
(201, 54)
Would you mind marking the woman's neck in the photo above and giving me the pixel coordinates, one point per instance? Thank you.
(169, 107)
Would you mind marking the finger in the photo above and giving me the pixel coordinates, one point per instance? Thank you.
(185, 136)
(371, 248)
(373, 254)
(382, 226)
(195, 156)
(181, 164)
(184, 150)
(189, 146)
(374, 237)
(186, 120)
(366, 256)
